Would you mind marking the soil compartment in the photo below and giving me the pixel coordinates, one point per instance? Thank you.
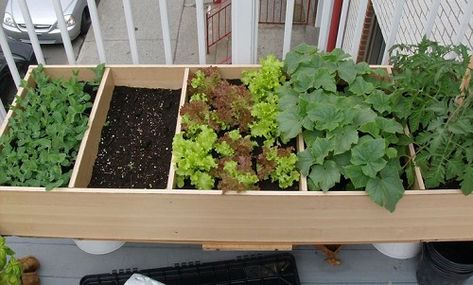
(136, 141)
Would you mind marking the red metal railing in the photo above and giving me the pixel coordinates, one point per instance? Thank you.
(274, 12)
(218, 21)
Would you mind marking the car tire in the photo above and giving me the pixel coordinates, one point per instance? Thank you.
(85, 22)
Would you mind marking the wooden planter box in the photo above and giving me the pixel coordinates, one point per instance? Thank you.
(247, 220)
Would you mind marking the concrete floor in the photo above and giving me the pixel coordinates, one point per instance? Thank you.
(183, 31)
(64, 264)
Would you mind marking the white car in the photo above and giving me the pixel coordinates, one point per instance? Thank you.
(76, 15)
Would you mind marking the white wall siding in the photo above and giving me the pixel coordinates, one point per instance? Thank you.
(384, 10)
(415, 16)
(350, 25)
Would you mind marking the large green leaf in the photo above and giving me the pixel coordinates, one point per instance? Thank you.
(320, 149)
(347, 71)
(361, 86)
(305, 160)
(289, 125)
(323, 79)
(368, 154)
(380, 101)
(325, 116)
(386, 190)
(368, 150)
(344, 138)
(356, 175)
(324, 177)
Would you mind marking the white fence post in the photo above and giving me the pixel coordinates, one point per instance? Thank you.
(3, 112)
(130, 25)
(31, 32)
(97, 31)
(359, 28)
(163, 10)
(394, 29)
(199, 14)
(9, 57)
(245, 31)
(66, 40)
(342, 24)
(325, 24)
(468, 9)
(429, 25)
(288, 27)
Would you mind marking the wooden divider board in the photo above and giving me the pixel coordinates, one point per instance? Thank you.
(206, 217)
(265, 219)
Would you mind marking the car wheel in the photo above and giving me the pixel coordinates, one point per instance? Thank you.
(85, 22)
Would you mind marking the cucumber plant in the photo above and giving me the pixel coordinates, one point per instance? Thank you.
(345, 114)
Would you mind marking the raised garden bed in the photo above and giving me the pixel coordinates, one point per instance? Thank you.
(244, 220)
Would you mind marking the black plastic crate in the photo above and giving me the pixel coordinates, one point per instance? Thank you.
(255, 269)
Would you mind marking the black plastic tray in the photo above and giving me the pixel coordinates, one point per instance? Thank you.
(255, 269)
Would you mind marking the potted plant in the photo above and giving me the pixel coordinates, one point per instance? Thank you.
(10, 268)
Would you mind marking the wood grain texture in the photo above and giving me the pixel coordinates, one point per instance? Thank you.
(87, 154)
(253, 217)
(172, 171)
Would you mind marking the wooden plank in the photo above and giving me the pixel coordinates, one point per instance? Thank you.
(87, 154)
(212, 246)
(253, 217)
(21, 93)
(162, 76)
(172, 170)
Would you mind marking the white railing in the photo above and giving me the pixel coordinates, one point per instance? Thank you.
(244, 30)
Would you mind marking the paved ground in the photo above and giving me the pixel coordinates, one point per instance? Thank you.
(62, 263)
(182, 22)
(183, 31)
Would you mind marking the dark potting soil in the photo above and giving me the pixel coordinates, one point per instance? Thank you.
(135, 147)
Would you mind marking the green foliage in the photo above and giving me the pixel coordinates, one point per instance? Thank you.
(427, 80)
(246, 179)
(262, 84)
(242, 121)
(10, 268)
(279, 164)
(193, 158)
(45, 132)
(343, 109)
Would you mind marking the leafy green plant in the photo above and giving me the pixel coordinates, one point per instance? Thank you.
(428, 77)
(10, 268)
(279, 164)
(224, 125)
(262, 83)
(193, 158)
(344, 112)
(45, 131)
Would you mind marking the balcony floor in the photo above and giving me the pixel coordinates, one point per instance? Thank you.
(64, 264)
